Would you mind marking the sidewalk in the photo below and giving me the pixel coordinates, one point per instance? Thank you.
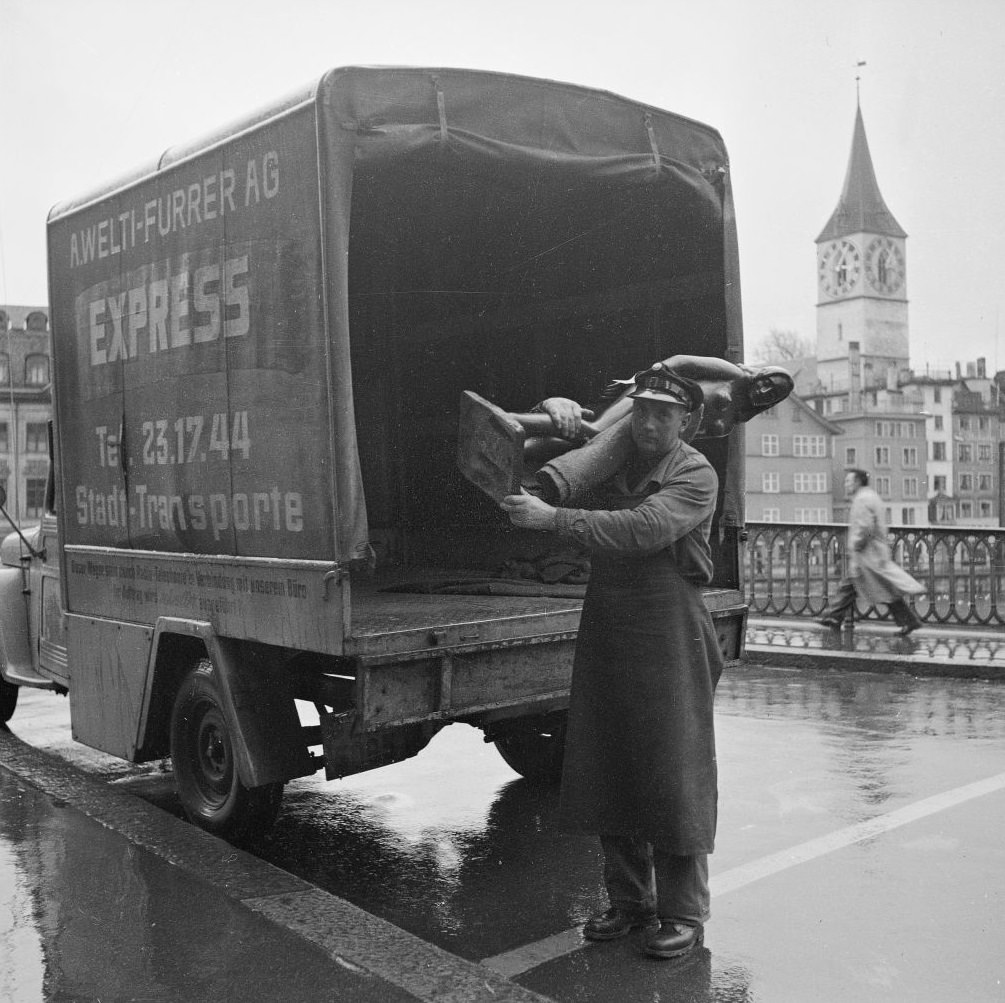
(875, 646)
(111, 898)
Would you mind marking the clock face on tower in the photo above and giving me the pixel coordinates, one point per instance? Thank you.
(840, 266)
(884, 265)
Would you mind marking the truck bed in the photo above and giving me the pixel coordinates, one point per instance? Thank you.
(387, 622)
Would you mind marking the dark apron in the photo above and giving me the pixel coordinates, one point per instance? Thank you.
(640, 749)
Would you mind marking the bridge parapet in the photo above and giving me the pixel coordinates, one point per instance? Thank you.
(793, 569)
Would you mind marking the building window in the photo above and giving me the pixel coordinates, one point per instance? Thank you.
(937, 395)
(850, 456)
(985, 509)
(809, 445)
(4, 444)
(34, 497)
(883, 487)
(982, 424)
(36, 370)
(964, 422)
(984, 482)
(36, 437)
(907, 517)
(769, 482)
(36, 321)
(772, 515)
(4, 368)
(811, 515)
(939, 483)
(966, 510)
(938, 451)
(965, 452)
(983, 452)
(882, 456)
(769, 445)
(966, 482)
(772, 412)
(910, 456)
(910, 487)
(938, 423)
(813, 484)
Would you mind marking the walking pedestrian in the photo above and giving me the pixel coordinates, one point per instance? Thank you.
(871, 573)
(640, 767)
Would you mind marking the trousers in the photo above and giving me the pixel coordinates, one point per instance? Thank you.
(643, 879)
(844, 601)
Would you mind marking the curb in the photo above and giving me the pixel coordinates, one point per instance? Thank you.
(347, 935)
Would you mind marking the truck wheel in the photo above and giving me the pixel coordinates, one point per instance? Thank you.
(8, 700)
(536, 748)
(205, 767)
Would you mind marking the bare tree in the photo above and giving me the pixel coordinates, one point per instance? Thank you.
(781, 346)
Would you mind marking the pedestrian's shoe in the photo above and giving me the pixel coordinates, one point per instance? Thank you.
(673, 939)
(829, 621)
(616, 923)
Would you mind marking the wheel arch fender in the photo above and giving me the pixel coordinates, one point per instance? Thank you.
(15, 642)
(268, 740)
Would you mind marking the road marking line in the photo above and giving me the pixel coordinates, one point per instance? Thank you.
(523, 959)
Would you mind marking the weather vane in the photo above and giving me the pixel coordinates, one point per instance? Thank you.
(858, 77)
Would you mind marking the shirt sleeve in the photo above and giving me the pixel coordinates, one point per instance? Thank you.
(682, 504)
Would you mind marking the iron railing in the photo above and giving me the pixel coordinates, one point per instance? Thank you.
(793, 569)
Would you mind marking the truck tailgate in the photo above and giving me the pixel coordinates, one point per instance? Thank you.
(386, 623)
(397, 623)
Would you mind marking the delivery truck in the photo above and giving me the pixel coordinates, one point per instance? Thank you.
(258, 554)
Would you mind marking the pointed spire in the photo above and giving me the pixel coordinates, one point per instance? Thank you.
(861, 208)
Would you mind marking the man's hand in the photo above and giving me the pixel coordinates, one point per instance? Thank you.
(566, 415)
(528, 511)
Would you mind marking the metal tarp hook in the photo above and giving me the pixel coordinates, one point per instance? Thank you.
(652, 140)
(441, 109)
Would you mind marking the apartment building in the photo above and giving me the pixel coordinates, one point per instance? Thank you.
(790, 464)
(25, 408)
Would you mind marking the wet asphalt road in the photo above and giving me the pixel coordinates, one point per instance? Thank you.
(859, 853)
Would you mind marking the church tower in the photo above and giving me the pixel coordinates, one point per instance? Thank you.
(861, 280)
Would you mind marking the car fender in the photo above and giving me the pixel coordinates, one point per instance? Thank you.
(16, 663)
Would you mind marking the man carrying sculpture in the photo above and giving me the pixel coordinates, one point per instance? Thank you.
(640, 766)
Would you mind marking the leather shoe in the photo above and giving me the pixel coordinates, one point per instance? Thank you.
(829, 621)
(616, 923)
(673, 939)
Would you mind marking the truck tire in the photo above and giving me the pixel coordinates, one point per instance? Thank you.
(8, 700)
(205, 768)
(535, 748)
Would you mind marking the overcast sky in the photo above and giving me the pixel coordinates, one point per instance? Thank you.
(93, 88)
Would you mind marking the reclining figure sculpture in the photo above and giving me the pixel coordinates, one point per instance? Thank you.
(731, 393)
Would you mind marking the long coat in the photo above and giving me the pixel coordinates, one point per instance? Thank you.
(640, 750)
(870, 568)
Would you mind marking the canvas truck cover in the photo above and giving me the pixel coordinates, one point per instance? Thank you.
(201, 306)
